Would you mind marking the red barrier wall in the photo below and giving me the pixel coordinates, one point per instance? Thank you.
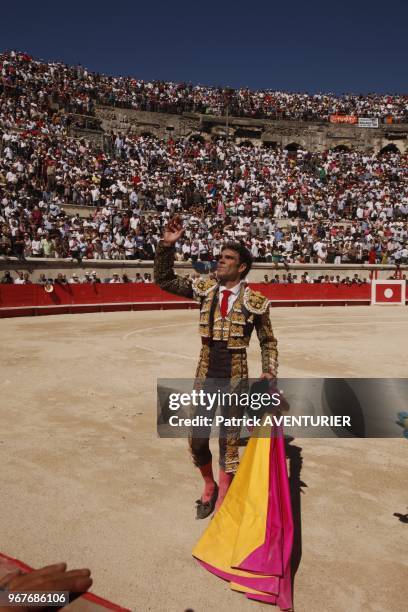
(35, 295)
(299, 292)
(19, 300)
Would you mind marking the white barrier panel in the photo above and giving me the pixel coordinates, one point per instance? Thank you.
(388, 292)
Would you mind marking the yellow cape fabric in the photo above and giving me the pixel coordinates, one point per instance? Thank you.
(239, 526)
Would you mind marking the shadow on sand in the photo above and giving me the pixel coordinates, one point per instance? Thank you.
(294, 455)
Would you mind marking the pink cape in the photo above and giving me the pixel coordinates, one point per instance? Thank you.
(249, 541)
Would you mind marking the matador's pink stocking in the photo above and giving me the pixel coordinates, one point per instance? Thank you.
(209, 482)
(225, 479)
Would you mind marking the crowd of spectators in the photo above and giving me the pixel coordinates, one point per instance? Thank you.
(77, 90)
(287, 207)
(335, 207)
(88, 278)
(292, 278)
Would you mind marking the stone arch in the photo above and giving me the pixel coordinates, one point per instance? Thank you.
(269, 144)
(196, 137)
(246, 143)
(292, 147)
(390, 148)
(341, 148)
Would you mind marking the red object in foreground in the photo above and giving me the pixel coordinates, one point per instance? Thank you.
(94, 603)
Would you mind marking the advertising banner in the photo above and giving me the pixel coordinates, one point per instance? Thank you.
(343, 119)
(368, 122)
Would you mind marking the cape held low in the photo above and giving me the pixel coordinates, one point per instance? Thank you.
(249, 540)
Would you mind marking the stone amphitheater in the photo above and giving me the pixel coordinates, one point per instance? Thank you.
(312, 136)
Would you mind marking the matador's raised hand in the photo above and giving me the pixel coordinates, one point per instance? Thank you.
(173, 231)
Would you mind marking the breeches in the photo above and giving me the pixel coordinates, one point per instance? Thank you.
(219, 368)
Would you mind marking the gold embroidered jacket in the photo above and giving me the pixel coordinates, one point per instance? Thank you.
(250, 310)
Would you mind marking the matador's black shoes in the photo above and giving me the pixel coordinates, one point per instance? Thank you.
(204, 509)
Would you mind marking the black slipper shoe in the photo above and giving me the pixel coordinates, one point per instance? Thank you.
(204, 509)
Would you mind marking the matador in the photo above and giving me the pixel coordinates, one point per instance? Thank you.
(229, 311)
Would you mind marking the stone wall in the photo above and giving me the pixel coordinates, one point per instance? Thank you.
(142, 122)
(313, 136)
(95, 137)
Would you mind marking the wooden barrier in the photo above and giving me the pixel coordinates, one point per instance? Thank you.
(28, 300)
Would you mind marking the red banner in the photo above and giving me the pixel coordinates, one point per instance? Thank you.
(343, 119)
(16, 300)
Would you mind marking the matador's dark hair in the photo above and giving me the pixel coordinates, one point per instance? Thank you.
(245, 256)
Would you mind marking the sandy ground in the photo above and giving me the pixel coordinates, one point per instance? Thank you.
(85, 478)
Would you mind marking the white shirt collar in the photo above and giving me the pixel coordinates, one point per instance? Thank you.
(235, 290)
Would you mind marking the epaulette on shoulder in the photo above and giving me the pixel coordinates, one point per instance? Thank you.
(255, 302)
(203, 286)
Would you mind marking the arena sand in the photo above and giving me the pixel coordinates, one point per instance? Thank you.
(85, 478)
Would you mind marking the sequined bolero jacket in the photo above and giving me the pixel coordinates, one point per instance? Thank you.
(250, 310)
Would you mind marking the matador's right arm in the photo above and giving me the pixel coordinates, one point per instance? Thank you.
(164, 275)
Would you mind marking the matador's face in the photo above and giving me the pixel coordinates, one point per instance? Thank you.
(229, 267)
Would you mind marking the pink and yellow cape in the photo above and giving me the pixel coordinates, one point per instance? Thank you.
(249, 540)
